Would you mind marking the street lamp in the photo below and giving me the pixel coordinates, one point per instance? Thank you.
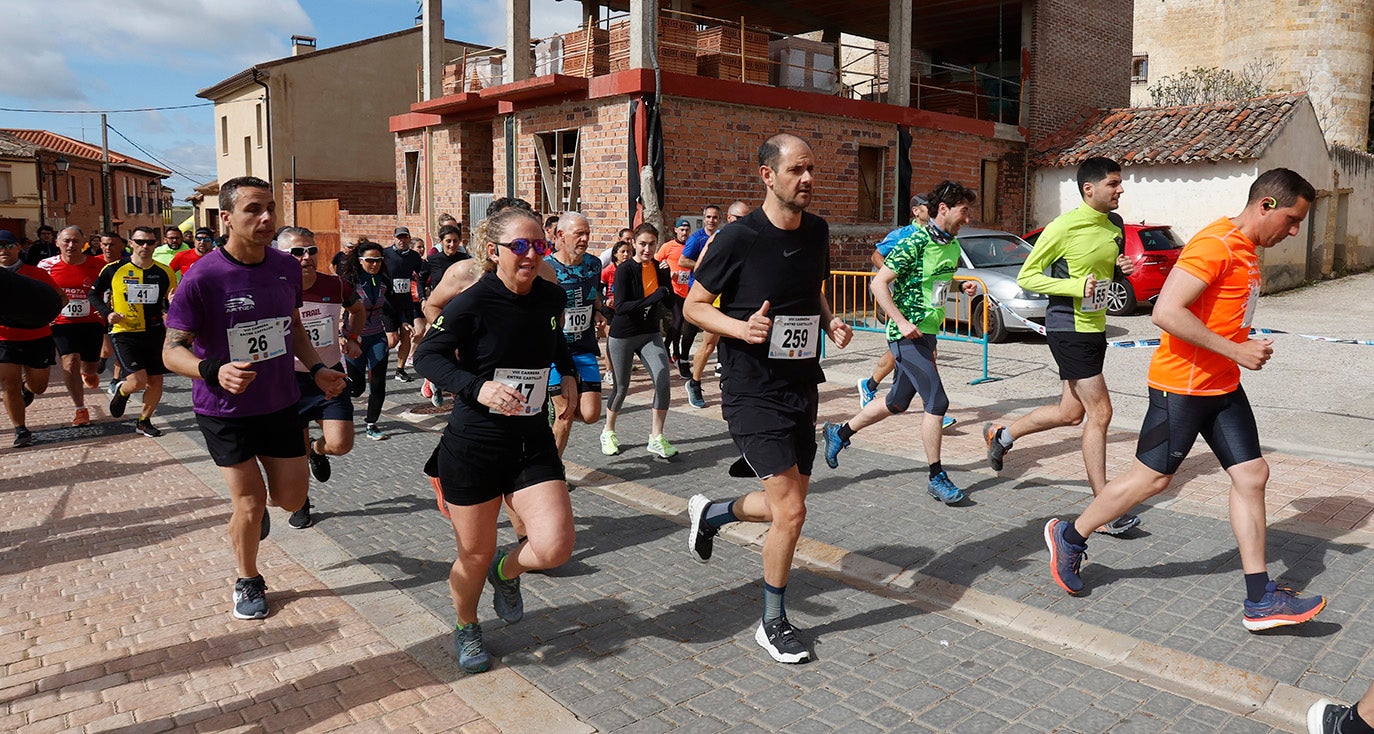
(60, 167)
(62, 164)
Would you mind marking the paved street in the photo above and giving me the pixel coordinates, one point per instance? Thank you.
(116, 575)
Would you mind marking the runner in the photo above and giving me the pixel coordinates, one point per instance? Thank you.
(131, 296)
(1205, 310)
(911, 288)
(1326, 717)
(578, 274)
(26, 352)
(505, 330)
(238, 311)
(1073, 263)
(768, 269)
(669, 254)
(366, 270)
(920, 215)
(695, 395)
(172, 244)
(205, 242)
(643, 287)
(324, 300)
(407, 325)
(113, 248)
(687, 260)
(79, 331)
(450, 251)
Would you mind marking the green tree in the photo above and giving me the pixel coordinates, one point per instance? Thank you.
(1208, 85)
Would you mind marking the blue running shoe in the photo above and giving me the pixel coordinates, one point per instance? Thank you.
(1065, 558)
(866, 396)
(506, 598)
(941, 488)
(472, 654)
(948, 421)
(833, 444)
(1280, 606)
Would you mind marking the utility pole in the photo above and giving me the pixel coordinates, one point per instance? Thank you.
(107, 218)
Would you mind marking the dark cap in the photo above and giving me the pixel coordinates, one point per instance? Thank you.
(7, 236)
(401, 231)
(918, 200)
(683, 220)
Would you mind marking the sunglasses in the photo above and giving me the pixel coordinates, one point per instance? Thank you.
(299, 251)
(204, 238)
(370, 259)
(143, 242)
(521, 247)
(8, 245)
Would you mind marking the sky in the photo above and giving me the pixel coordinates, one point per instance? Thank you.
(71, 59)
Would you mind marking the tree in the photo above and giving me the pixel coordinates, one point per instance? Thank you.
(1207, 85)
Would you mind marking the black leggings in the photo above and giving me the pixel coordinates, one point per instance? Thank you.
(916, 373)
(374, 358)
(673, 333)
(1173, 422)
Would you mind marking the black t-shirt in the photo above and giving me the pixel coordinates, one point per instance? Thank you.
(402, 265)
(494, 329)
(38, 252)
(751, 262)
(340, 259)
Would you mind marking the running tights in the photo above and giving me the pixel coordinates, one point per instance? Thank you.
(652, 354)
(374, 358)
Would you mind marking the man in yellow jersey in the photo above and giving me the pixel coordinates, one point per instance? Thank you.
(1072, 263)
(1206, 309)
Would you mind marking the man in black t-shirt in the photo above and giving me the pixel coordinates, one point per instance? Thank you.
(408, 325)
(768, 269)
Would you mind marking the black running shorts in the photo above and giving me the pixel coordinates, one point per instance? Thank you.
(32, 353)
(1173, 422)
(141, 350)
(473, 472)
(232, 441)
(83, 339)
(314, 406)
(774, 432)
(1078, 355)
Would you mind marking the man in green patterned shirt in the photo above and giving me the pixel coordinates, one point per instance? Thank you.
(911, 287)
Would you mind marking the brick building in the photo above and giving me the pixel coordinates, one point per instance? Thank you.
(981, 82)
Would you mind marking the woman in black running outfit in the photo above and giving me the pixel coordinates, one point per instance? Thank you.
(366, 271)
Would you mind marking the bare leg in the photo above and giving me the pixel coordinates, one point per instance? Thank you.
(474, 532)
(152, 396)
(547, 511)
(782, 503)
(71, 377)
(1248, 521)
(886, 364)
(11, 379)
(1120, 495)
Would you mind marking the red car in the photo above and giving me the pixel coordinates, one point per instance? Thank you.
(1154, 248)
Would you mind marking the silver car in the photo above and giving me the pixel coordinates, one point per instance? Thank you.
(995, 257)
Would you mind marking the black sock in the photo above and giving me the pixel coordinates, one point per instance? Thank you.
(871, 384)
(935, 469)
(1256, 584)
(1072, 535)
(845, 432)
(1354, 723)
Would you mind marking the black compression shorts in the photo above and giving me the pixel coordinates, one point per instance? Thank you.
(83, 339)
(1173, 422)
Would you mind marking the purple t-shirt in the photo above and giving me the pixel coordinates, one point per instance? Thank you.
(242, 313)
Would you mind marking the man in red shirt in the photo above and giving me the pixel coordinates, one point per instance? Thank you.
(25, 354)
(205, 242)
(79, 332)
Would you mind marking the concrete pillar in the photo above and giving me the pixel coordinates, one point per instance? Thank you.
(517, 64)
(899, 52)
(643, 33)
(591, 13)
(432, 49)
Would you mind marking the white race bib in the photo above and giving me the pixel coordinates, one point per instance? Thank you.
(533, 384)
(794, 337)
(577, 320)
(142, 293)
(76, 309)
(939, 293)
(258, 341)
(321, 330)
(1250, 304)
(682, 276)
(1098, 300)
(400, 285)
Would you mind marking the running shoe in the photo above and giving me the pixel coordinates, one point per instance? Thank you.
(375, 433)
(1325, 717)
(472, 654)
(265, 526)
(117, 399)
(866, 396)
(26, 394)
(833, 444)
(250, 598)
(301, 519)
(82, 417)
(610, 443)
(701, 540)
(319, 463)
(145, 426)
(947, 422)
(995, 448)
(22, 437)
(426, 390)
(510, 606)
(403, 376)
(941, 488)
(779, 638)
(437, 399)
(1280, 606)
(1120, 525)
(90, 381)
(1066, 558)
(684, 369)
(659, 446)
(694, 396)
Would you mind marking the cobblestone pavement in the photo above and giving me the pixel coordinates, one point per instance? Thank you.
(923, 617)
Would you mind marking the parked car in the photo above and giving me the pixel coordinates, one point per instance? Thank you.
(1154, 248)
(995, 257)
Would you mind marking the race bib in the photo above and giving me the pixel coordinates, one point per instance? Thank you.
(939, 293)
(400, 285)
(682, 276)
(1250, 305)
(320, 330)
(577, 320)
(76, 309)
(143, 294)
(794, 337)
(1098, 300)
(533, 384)
(258, 341)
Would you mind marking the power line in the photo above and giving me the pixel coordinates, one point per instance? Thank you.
(165, 164)
(97, 112)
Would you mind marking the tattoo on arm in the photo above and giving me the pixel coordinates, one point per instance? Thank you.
(178, 338)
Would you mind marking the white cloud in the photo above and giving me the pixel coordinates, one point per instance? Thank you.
(38, 73)
(484, 21)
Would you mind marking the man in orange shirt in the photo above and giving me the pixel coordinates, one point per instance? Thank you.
(1205, 310)
(669, 253)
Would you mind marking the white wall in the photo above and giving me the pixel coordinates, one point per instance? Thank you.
(1300, 147)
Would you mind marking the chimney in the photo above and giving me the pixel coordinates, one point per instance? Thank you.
(301, 45)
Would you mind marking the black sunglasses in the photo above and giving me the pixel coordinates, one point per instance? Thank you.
(298, 251)
(137, 241)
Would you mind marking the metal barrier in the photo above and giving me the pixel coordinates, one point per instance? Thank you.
(852, 301)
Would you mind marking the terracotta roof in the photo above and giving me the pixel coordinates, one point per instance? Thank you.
(1153, 135)
(13, 147)
(71, 147)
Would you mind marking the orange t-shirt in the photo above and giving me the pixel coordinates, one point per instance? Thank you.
(681, 276)
(648, 273)
(1225, 260)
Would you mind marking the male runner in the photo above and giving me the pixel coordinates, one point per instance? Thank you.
(668, 253)
(205, 242)
(695, 397)
(78, 331)
(578, 274)
(911, 287)
(769, 269)
(1205, 309)
(920, 215)
(324, 299)
(138, 290)
(41, 250)
(238, 309)
(405, 329)
(1073, 263)
(172, 244)
(687, 260)
(25, 351)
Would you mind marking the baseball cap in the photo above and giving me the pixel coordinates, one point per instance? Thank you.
(918, 200)
(401, 231)
(683, 220)
(7, 236)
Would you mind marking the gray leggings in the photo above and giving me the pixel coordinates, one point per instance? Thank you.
(652, 353)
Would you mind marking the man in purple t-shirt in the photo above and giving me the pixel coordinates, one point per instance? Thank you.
(235, 328)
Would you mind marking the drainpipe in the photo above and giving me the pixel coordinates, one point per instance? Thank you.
(267, 122)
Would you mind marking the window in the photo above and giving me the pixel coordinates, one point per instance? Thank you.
(560, 175)
(224, 135)
(248, 155)
(6, 186)
(259, 113)
(128, 197)
(988, 196)
(1140, 68)
(412, 182)
(870, 183)
(52, 185)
